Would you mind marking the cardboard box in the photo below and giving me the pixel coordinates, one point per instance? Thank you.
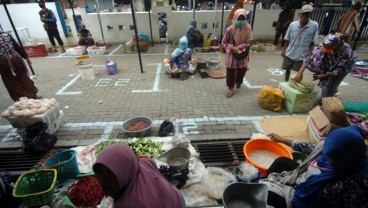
(313, 133)
(48, 117)
(296, 101)
(321, 122)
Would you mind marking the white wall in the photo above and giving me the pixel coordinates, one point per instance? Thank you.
(26, 15)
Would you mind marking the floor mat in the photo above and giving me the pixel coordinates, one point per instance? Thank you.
(294, 128)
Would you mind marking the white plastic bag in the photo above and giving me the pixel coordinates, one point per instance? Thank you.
(180, 140)
(248, 171)
(215, 180)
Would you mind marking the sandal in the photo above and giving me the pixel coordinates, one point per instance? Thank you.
(229, 94)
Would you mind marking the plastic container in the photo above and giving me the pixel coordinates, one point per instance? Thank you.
(111, 67)
(36, 187)
(65, 163)
(86, 71)
(268, 145)
(240, 178)
(94, 50)
(139, 133)
(76, 51)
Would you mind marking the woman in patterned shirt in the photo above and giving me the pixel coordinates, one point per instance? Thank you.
(237, 38)
(334, 175)
(330, 62)
(13, 71)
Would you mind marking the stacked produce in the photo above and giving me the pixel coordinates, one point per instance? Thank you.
(29, 107)
(303, 86)
(141, 147)
(85, 193)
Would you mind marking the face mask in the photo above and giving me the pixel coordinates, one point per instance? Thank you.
(239, 23)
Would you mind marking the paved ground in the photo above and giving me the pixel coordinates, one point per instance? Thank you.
(96, 109)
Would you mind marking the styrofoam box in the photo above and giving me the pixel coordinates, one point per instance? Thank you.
(312, 131)
(56, 125)
(48, 117)
(96, 50)
(76, 51)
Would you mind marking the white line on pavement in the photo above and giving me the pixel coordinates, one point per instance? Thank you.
(107, 132)
(246, 83)
(166, 49)
(156, 83)
(116, 49)
(61, 91)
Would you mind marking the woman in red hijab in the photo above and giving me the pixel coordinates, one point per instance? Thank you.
(134, 182)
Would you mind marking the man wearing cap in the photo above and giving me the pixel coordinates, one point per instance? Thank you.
(299, 41)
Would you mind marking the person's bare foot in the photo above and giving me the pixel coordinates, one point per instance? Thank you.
(229, 93)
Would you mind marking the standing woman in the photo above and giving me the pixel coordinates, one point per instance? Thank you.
(237, 38)
(13, 71)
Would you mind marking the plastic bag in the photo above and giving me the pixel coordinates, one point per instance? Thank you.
(248, 172)
(271, 98)
(37, 140)
(166, 127)
(180, 140)
(215, 180)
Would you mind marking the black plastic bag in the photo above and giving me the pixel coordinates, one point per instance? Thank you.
(37, 140)
(165, 128)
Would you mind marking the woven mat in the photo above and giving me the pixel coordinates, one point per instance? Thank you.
(294, 128)
(216, 74)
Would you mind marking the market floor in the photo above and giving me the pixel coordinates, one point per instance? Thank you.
(96, 109)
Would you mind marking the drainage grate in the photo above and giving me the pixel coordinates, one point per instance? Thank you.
(220, 152)
(17, 162)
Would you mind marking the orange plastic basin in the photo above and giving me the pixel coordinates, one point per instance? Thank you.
(264, 144)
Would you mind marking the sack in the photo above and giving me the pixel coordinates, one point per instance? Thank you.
(271, 98)
(243, 54)
(37, 140)
(165, 128)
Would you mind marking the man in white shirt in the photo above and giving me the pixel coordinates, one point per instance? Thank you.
(275, 5)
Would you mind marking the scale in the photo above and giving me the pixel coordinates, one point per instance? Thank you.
(177, 169)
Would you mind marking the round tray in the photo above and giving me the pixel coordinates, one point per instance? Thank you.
(139, 133)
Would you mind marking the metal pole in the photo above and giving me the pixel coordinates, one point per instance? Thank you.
(99, 20)
(254, 12)
(16, 33)
(194, 8)
(222, 19)
(364, 23)
(136, 36)
(75, 20)
(149, 17)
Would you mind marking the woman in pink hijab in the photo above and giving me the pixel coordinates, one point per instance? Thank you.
(237, 38)
(134, 182)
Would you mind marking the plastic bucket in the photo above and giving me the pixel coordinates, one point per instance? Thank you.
(267, 145)
(86, 72)
(245, 195)
(111, 68)
(83, 60)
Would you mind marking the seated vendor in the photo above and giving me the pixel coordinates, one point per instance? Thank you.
(133, 181)
(85, 37)
(195, 37)
(181, 56)
(334, 175)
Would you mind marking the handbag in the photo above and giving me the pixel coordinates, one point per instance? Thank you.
(243, 54)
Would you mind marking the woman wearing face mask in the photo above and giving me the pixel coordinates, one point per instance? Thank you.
(237, 38)
(134, 182)
(334, 175)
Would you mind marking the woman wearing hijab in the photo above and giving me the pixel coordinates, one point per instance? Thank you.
(237, 38)
(334, 175)
(134, 182)
(330, 62)
(13, 70)
(181, 56)
(195, 37)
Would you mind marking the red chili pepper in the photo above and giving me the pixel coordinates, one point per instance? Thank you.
(85, 193)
